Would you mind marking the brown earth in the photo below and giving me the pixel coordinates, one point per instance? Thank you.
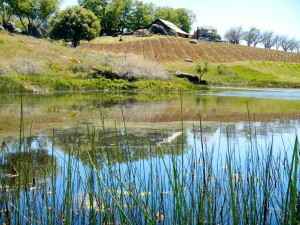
(173, 49)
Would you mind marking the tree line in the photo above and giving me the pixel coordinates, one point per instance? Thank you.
(268, 39)
(131, 15)
(113, 15)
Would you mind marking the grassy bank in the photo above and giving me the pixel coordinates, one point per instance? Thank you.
(230, 65)
(28, 64)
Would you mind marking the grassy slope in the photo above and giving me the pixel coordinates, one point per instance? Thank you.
(28, 64)
(240, 65)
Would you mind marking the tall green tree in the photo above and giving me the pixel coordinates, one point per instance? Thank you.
(75, 24)
(167, 13)
(5, 12)
(117, 15)
(181, 17)
(141, 15)
(98, 7)
(186, 18)
(36, 12)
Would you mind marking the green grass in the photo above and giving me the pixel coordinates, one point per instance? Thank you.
(255, 74)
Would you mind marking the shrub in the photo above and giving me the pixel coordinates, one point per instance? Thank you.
(75, 24)
(222, 70)
(25, 67)
(142, 33)
(132, 68)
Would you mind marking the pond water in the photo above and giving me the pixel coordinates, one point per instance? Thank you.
(222, 156)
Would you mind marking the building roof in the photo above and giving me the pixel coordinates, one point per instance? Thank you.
(208, 28)
(173, 26)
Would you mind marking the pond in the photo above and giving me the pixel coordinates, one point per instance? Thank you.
(224, 156)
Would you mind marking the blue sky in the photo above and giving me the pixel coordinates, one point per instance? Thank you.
(280, 16)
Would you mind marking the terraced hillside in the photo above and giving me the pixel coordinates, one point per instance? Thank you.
(171, 49)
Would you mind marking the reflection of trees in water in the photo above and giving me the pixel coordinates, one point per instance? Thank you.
(117, 146)
(28, 165)
(244, 129)
(204, 133)
(23, 167)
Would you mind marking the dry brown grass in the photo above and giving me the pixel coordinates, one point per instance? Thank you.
(173, 49)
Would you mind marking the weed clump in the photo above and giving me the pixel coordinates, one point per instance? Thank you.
(133, 69)
(24, 66)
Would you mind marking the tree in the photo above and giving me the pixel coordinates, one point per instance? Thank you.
(292, 44)
(234, 35)
(96, 6)
(167, 13)
(75, 24)
(267, 39)
(117, 15)
(277, 41)
(298, 46)
(186, 18)
(141, 15)
(256, 37)
(284, 43)
(201, 68)
(252, 36)
(5, 12)
(215, 37)
(36, 12)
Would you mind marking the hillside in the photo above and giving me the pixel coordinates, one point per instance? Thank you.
(29, 64)
(167, 49)
(230, 65)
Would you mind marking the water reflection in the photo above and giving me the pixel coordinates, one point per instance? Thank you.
(106, 158)
(25, 165)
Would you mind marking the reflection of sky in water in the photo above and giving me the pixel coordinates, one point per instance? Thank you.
(285, 95)
(218, 141)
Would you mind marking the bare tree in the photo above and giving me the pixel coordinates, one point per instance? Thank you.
(251, 36)
(267, 39)
(234, 35)
(277, 41)
(298, 46)
(256, 37)
(284, 43)
(292, 44)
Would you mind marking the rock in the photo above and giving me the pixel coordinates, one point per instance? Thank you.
(193, 41)
(157, 29)
(142, 33)
(12, 34)
(10, 26)
(17, 31)
(190, 77)
(74, 60)
(189, 60)
(1, 28)
(172, 33)
(115, 35)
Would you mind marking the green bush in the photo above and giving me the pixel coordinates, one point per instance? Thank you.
(75, 24)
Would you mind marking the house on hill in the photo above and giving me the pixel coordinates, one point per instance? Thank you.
(205, 32)
(168, 26)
